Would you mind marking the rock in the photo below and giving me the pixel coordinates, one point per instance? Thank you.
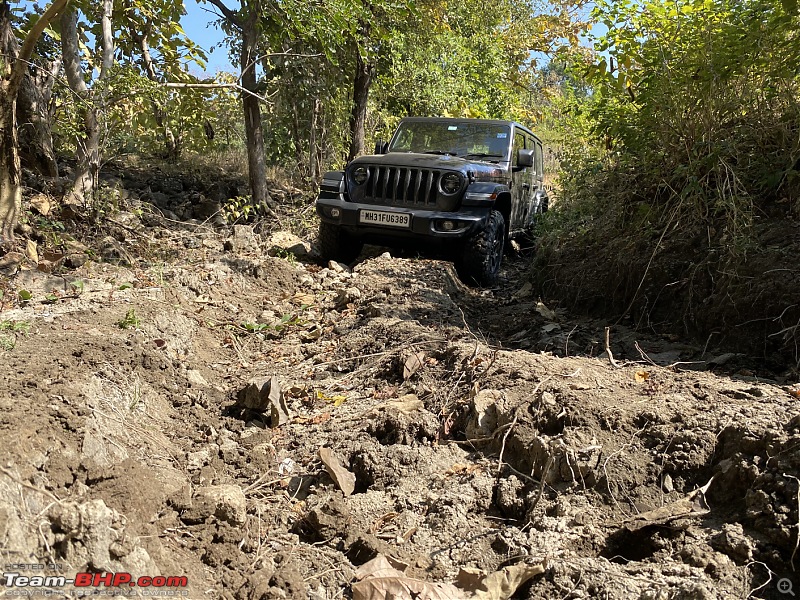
(733, 542)
(338, 267)
(75, 261)
(9, 264)
(93, 534)
(346, 296)
(667, 484)
(224, 502)
(264, 395)
(287, 242)
(485, 414)
(195, 378)
(243, 239)
(206, 209)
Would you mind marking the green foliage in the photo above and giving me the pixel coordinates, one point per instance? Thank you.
(15, 326)
(9, 331)
(691, 117)
(241, 209)
(130, 321)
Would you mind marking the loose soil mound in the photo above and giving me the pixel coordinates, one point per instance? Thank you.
(482, 428)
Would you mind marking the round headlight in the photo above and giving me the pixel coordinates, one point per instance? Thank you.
(360, 175)
(450, 183)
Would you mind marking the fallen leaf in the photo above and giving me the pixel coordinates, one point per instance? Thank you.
(31, 251)
(413, 364)
(341, 476)
(524, 292)
(405, 404)
(548, 314)
(692, 505)
(379, 580)
(641, 376)
(303, 299)
(337, 400)
(41, 203)
(499, 585)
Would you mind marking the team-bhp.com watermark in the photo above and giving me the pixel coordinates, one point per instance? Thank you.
(18, 581)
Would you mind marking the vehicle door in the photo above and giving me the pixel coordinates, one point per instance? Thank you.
(537, 181)
(520, 185)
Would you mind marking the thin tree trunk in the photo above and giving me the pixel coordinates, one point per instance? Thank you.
(88, 151)
(10, 189)
(358, 118)
(170, 143)
(252, 115)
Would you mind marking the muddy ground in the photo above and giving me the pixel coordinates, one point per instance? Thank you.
(483, 429)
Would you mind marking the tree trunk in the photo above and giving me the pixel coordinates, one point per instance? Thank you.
(12, 71)
(170, 143)
(10, 189)
(33, 119)
(361, 85)
(252, 115)
(88, 150)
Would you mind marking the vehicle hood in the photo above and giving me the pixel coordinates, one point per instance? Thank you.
(482, 171)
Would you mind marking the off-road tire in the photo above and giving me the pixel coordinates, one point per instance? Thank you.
(482, 254)
(336, 244)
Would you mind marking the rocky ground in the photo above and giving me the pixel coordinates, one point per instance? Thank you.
(187, 400)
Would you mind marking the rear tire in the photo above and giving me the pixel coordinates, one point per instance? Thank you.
(336, 244)
(482, 254)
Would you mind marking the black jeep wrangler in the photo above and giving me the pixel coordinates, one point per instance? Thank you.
(464, 185)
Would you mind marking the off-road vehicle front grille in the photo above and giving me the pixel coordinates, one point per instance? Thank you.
(405, 186)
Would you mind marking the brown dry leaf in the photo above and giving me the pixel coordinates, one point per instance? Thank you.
(548, 314)
(41, 203)
(413, 364)
(379, 580)
(692, 505)
(341, 476)
(641, 376)
(499, 585)
(31, 251)
(795, 393)
(407, 404)
(302, 298)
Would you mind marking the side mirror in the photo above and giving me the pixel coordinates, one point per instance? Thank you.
(381, 147)
(524, 158)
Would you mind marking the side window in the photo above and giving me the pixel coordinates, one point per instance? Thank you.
(539, 161)
(519, 144)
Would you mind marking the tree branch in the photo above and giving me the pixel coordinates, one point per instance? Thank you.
(21, 64)
(216, 85)
(227, 13)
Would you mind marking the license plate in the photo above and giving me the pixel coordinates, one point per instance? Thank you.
(389, 219)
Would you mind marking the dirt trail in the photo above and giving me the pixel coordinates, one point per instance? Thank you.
(482, 428)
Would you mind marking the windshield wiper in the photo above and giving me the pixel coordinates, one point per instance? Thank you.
(483, 155)
(440, 152)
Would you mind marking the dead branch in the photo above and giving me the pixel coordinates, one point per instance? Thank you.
(611, 359)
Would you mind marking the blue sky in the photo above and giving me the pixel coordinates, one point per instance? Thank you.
(199, 26)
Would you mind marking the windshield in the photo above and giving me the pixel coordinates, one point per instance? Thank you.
(469, 139)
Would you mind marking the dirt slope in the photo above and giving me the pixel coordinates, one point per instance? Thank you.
(482, 429)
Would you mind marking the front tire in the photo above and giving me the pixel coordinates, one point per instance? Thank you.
(336, 244)
(482, 254)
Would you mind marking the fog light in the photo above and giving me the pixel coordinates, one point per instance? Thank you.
(448, 225)
(335, 212)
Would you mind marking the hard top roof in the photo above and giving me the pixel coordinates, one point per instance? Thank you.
(465, 120)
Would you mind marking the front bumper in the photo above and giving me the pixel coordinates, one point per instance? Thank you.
(425, 224)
